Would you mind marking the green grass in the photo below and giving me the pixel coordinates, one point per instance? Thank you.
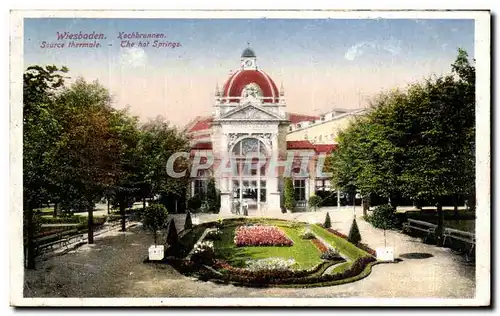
(303, 251)
(345, 247)
(341, 267)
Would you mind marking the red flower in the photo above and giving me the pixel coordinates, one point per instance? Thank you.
(321, 247)
(260, 236)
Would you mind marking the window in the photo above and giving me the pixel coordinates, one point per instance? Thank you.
(249, 145)
(200, 188)
(290, 128)
(322, 117)
(299, 126)
(300, 189)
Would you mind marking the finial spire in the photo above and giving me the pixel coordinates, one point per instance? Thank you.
(217, 91)
(282, 90)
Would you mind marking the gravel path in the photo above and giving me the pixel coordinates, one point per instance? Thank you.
(113, 267)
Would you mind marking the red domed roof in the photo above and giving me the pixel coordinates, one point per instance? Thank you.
(235, 84)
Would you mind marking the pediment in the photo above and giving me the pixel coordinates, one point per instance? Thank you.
(250, 112)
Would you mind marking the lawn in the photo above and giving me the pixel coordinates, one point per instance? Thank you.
(303, 251)
(345, 247)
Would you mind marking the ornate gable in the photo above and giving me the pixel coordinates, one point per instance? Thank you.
(250, 112)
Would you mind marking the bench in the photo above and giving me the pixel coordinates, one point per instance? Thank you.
(63, 238)
(428, 228)
(463, 236)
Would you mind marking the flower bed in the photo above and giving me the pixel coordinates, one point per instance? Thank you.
(260, 235)
(321, 246)
(337, 233)
(367, 248)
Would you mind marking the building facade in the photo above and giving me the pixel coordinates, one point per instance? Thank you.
(250, 118)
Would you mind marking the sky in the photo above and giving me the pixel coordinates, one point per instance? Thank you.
(322, 63)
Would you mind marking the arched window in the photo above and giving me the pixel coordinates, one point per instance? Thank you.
(249, 145)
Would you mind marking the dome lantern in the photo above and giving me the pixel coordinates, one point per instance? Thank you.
(248, 53)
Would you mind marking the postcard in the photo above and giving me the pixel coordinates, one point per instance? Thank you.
(250, 158)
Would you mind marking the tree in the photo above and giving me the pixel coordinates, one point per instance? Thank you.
(328, 221)
(154, 218)
(172, 236)
(212, 197)
(383, 217)
(314, 201)
(130, 161)
(41, 130)
(289, 194)
(194, 203)
(416, 144)
(86, 152)
(188, 224)
(158, 142)
(354, 235)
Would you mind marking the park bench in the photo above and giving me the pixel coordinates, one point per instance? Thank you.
(63, 238)
(412, 224)
(465, 237)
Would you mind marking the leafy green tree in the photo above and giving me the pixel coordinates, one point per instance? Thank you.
(314, 202)
(289, 194)
(383, 217)
(154, 218)
(87, 151)
(416, 144)
(129, 160)
(354, 235)
(41, 130)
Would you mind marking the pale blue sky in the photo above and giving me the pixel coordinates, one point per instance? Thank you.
(322, 63)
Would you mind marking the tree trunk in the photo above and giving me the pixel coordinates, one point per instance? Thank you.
(56, 206)
(144, 203)
(90, 224)
(30, 243)
(107, 200)
(122, 213)
(440, 224)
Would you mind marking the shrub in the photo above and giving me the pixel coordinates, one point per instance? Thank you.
(172, 236)
(383, 217)
(188, 224)
(289, 193)
(212, 197)
(214, 234)
(354, 235)
(314, 202)
(331, 255)
(154, 218)
(203, 252)
(328, 222)
(194, 203)
(307, 234)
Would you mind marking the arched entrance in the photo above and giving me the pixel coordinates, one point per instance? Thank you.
(249, 184)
